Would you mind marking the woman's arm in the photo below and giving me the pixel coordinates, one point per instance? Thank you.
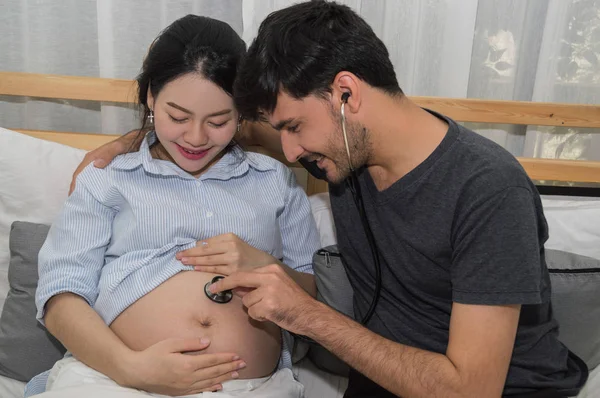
(70, 266)
(305, 280)
(226, 254)
(69, 317)
(299, 235)
(162, 368)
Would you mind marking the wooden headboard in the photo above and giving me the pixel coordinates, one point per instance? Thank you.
(462, 110)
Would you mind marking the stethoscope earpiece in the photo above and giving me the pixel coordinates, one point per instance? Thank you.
(345, 97)
(220, 298)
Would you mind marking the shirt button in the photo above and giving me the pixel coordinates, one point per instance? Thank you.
(209, 214)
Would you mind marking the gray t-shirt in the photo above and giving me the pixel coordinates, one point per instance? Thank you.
(464, 226)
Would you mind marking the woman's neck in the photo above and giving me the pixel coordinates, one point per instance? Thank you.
(157, 151)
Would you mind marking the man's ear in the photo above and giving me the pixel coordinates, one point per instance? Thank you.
(346, 84)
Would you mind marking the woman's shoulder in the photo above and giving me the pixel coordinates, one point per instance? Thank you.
(270, 169)
(282, 178)
(126, 161)
(263, 162)
(121, 162)
(102, 183)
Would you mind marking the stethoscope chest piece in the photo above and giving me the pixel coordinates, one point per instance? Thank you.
(220, 298)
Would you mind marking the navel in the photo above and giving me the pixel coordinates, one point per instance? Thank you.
(206, 322)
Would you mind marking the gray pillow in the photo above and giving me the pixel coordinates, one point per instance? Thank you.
(26, 347)
(333, 289)
(575, 284)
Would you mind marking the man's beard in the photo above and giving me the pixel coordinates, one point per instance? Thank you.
(358, 142)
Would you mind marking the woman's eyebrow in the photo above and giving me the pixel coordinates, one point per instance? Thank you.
(219, 113)
(181, 108)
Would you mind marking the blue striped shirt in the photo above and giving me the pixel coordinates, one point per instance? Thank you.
(116, 237)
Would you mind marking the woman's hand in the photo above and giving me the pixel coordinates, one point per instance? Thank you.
(103, 155)
(170, 368)
(224, 255)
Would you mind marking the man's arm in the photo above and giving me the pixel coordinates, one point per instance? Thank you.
(475, 364)
(103, 155)
(227, 253)
(253, 133)
(495, 269)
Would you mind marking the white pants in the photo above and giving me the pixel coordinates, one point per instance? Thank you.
(70, 378)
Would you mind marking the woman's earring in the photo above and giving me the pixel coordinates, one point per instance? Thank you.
(151, 117)
(239, 126)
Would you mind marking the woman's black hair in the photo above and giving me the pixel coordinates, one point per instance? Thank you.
(190, 44)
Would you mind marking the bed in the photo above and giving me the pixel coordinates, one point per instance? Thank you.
(33, 188)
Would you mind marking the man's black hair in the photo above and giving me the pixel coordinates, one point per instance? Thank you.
(300, 49)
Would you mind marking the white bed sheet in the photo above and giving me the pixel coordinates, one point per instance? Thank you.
(320, 384)
(592, 387)
(10, 388)
(317, 383)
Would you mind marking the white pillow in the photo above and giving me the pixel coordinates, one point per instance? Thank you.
(573, 224)
(321, 209)
(34, 181)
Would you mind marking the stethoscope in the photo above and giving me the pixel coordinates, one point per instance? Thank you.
(354, 186)
(220, 298)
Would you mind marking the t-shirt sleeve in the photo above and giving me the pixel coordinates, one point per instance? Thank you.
(496, 250)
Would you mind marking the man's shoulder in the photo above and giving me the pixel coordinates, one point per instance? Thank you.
(483, 165)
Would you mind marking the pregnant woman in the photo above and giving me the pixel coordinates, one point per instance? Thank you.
(112, 288)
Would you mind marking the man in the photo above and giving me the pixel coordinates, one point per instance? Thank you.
(464, 308)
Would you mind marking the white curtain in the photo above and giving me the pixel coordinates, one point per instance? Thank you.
(102, 38)
(533, 50)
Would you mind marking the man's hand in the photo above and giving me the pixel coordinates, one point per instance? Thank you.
(224, 254)
(166, 369)
(270, 294)
(102, 156)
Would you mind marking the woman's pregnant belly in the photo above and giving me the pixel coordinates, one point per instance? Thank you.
(179, 308)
